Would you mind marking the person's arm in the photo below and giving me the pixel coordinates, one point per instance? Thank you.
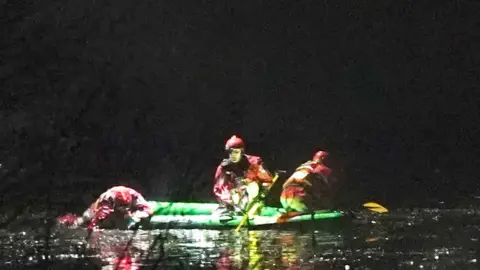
(224, 183)
(141, 208)
(297, 177)
(260, 174)
(264, 175)
(300, 175)
(87, 215)
(96, 210)
(104, 208)
(219, 180)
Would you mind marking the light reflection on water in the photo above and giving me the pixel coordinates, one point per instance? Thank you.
(405, 239)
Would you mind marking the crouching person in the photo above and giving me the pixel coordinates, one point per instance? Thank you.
(302, 192)
(117, 208)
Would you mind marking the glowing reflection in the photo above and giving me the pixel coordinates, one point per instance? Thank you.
(290, 250)
(255, 254)
(115, 254)
(123, 262)
(196, 237)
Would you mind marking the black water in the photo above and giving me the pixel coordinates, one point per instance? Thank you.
(402, 239)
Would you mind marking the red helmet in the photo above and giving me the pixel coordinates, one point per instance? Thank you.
(234, 142)
(320, 155)
(123, 197)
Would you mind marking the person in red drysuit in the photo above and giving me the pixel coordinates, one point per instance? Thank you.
(118, 207)
(303, 191)
(235, 173)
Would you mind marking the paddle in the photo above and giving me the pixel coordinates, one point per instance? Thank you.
(371, 206)
(375, 207)
(256, 204)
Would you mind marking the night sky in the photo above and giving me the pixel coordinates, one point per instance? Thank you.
(100, 93)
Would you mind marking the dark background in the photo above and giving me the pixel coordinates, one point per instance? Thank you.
(145, 93)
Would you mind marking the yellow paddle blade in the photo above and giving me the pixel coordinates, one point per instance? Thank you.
(375, 207)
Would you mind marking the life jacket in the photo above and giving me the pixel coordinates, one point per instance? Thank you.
(315, 174)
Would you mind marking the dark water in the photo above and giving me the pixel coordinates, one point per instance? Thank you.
(401, 239)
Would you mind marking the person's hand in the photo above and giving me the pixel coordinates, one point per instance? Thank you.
(132, 223)
(138, 215)
(242, 181)
(135, 218)
(235, 196)
(225, 163)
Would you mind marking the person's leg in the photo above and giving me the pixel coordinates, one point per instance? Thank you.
(292, 199)
(297, 204)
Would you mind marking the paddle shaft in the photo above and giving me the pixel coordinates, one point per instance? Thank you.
(255, 205)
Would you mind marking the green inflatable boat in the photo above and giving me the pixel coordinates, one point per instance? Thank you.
(201, 215)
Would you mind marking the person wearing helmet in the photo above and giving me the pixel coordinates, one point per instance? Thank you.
(301, 191)
(118, 207)
(239, 175)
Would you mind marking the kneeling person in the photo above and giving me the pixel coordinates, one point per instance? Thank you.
(240, 178)
(301, 191)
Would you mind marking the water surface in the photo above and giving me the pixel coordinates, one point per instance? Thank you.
(401, 239)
